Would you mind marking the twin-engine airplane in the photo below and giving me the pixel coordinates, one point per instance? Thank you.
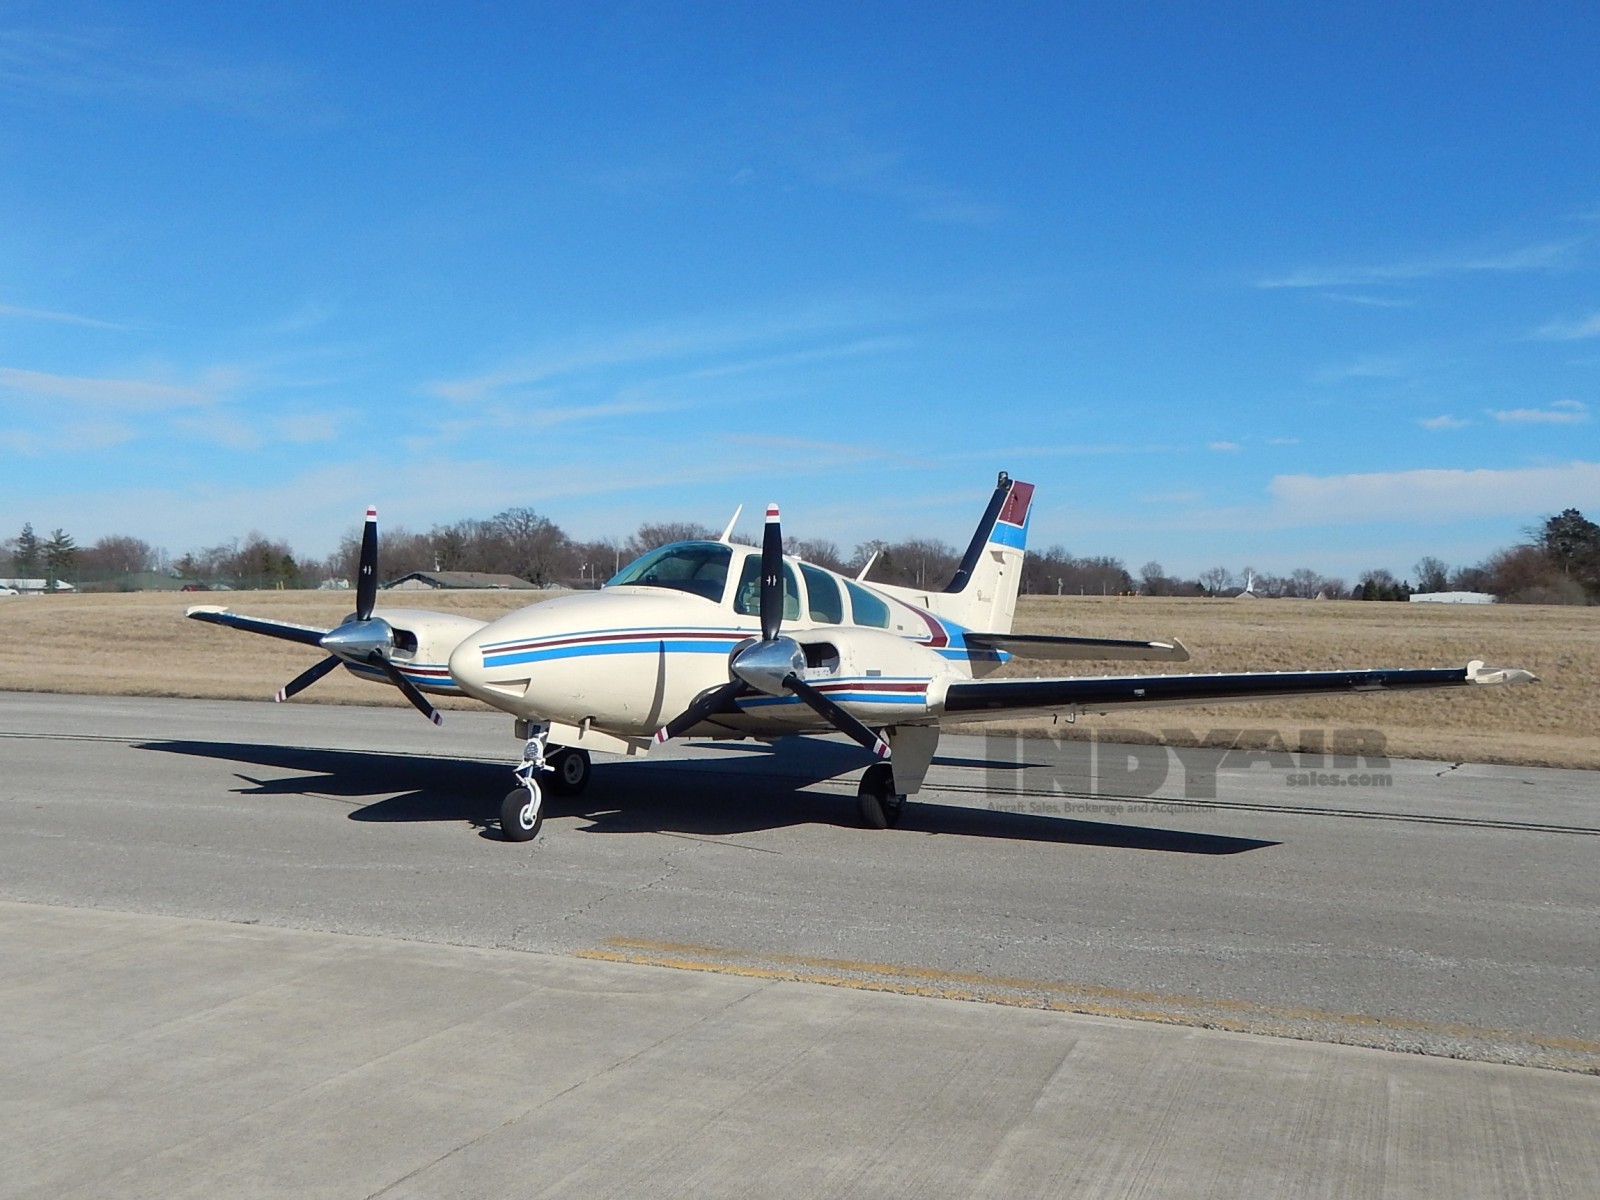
(712, 639)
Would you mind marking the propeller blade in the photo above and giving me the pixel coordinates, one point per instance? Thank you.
(367, 574)
(771, 576)
(407, 688)
(306, 678)
(836, 716)
(702, 708)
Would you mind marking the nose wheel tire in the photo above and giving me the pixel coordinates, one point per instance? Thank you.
(521, 814)
(569, 771)
(881, 806)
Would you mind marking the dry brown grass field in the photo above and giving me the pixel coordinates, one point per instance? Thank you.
(139, 645)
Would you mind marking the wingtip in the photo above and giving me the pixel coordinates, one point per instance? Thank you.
(1478, 673)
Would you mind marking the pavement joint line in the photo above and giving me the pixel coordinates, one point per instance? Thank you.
(1106, 1001)
(1285, 809)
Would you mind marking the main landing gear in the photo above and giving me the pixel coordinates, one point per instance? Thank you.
(881, 806)
(567, 771)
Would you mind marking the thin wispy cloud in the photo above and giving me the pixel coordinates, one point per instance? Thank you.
(1570, 331)
(1223, 447)
(109, 64)
(1562, 412)
(129, 395)
(1433, 495)
(1443, 421)
(675, 343)
(41, 314)
(1543, 256)
(1370, 301)
(1368, 367)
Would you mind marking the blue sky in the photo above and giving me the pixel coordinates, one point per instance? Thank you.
(1274, 284)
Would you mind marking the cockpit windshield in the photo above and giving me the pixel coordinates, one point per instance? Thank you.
(698, 567)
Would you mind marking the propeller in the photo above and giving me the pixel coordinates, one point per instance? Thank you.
(772, 665)
(362, 637)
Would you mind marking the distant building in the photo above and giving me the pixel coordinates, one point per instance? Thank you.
(1451, 598)
(30, 587)
(436, 581)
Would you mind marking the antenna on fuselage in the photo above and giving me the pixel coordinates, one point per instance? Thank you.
(861, 575)
(727, 534)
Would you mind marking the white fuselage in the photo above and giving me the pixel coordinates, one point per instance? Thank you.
(627, 658)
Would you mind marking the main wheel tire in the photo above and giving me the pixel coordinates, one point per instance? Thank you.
(569, 771)
(521, 814)
(881, 806)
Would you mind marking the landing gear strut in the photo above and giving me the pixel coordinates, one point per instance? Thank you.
(522, 811)
(881, 806)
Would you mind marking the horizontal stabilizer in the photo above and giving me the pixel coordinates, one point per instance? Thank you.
(1043, 646)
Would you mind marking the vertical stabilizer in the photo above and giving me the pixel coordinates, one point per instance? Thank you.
(982, 594)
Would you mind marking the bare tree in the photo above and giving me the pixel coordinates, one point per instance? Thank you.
(1433, 574)
(652, 534)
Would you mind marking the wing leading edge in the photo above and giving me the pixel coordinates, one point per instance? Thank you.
(1101, 693)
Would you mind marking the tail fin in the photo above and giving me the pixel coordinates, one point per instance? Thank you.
(982, 594)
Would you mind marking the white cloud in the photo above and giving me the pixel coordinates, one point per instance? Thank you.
(41, 314)
(1283, 441)
(130, 395)
(1372, 366)
(1370, 301)
(1443, 421)
(1571, 331)
(1562, 412)
(678, 342)
(1225, 447)
(1541, 257)
(1433, 495)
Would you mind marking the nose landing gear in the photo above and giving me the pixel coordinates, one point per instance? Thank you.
(522, 811)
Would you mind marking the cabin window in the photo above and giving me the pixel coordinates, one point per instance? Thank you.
(700, 568)
(747, 596)
(825, 603)
(868, 609)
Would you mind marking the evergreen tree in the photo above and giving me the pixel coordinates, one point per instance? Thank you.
(26, 558)
(60, 555)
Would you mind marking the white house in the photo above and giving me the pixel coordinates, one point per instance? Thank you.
(34, 586)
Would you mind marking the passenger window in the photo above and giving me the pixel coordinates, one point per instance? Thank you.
(747, 596)
(868, 609)
(822, 595)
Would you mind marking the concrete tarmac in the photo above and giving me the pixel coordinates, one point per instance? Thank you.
(258, 950)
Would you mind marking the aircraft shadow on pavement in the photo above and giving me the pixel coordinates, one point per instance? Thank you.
(736, 793)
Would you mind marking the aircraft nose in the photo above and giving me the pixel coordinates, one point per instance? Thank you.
(468, 669)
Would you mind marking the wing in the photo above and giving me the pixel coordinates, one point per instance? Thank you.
(1034, 645)
(289, 632)
(1013, 697)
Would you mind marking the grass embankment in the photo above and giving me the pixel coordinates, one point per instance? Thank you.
(139, 645)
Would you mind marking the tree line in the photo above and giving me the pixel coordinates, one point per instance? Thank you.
(1557, 562)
